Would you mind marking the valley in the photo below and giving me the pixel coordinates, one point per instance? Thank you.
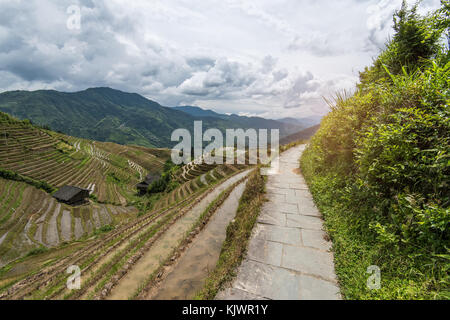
(112, 234)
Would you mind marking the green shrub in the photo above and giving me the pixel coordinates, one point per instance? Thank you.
(416, 41)
(104, 229)
(11, 175)
(403, 158)
(165, 183)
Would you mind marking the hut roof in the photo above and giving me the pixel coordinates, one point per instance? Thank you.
(67, 192)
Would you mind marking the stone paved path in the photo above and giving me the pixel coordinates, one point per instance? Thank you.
(288, 257)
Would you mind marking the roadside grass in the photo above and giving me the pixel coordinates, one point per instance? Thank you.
(238, 235)
(405, 274)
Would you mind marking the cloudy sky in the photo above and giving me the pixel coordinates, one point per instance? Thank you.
(265, 57)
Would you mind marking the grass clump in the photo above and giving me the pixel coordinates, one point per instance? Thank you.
(37, 251)
(104, 229)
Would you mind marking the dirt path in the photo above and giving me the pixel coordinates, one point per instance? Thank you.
(288, 256)
(164, 246)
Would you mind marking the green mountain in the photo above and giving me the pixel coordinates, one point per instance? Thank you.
(105, 114)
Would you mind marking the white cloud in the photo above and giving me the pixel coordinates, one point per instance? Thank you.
(252, 57)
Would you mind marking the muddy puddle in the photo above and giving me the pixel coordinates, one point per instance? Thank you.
(190, 272)
(164, 246)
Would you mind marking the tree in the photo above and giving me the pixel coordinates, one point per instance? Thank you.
(417, 40)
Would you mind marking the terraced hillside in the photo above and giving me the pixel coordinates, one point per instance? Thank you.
(30, 218)
(196, 177)
(113, 257)
(110, 171)
(33, 159)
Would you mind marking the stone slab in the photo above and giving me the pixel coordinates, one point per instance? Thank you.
(265, 252)
(237, 294)
(315, 239)
(282, 207)
(267, 281)
(312, 288)
(304, 222)
(272, 218)
(309, 261)
(291, 236)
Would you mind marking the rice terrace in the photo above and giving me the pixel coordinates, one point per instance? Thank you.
(111, 229)
(316, 168)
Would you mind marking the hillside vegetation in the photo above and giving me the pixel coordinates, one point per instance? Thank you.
(108, 115)
(379, 166)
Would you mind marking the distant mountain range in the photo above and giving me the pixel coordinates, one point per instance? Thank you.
(105, 114)
(305, 122)
(301, 135)
(235, 121)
